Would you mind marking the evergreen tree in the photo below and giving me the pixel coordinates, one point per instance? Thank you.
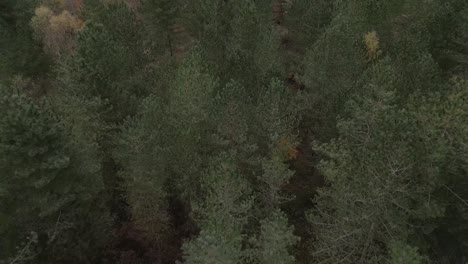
(162, 148)
(330, 66)
(58, 191)
(373, 199)
(162, 15)
(237, 39)
(189, 114)
(108, 61)
(275, 240)
(101, 84)
(20, 54)
(258, 137)
(193, 153)
(222, 215)
(306, 21)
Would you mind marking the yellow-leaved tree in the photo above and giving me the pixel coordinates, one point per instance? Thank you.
(372, 42)
(57, 32)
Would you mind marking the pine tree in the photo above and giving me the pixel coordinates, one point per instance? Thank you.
(277, 116)
(330, 66)
(237, 40)
(162, 149)
(162, 15)
(306, 21)
(402, 253)
(20, 55)
(259, 139)
(102, 115)
(189, 112)
(374, 199)
(273, 130)
(341, 53)
(38, 160)
(100, 85)
(108, 61)
(275, 240)
(221, 215)
(143, 155)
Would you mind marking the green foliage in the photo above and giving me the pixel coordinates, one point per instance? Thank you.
(189, 121)
(201, 147)
(373, 198)
(151, 155)
(330, 67)
(161, 149)
(191, 92)
(401, 253)
(448, 37)
(275, 240)
(395, 113)
(32, 158)
(143, 154)
(252, 139)
(338, 57)
(221, 216)
(108, 62)
(306, 20)
(236, 39)
(273, 130)
(20, 54)
(162, 15)
(163, 11)
(37, 160)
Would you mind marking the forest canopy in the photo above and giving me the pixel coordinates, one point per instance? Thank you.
(233, 131)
